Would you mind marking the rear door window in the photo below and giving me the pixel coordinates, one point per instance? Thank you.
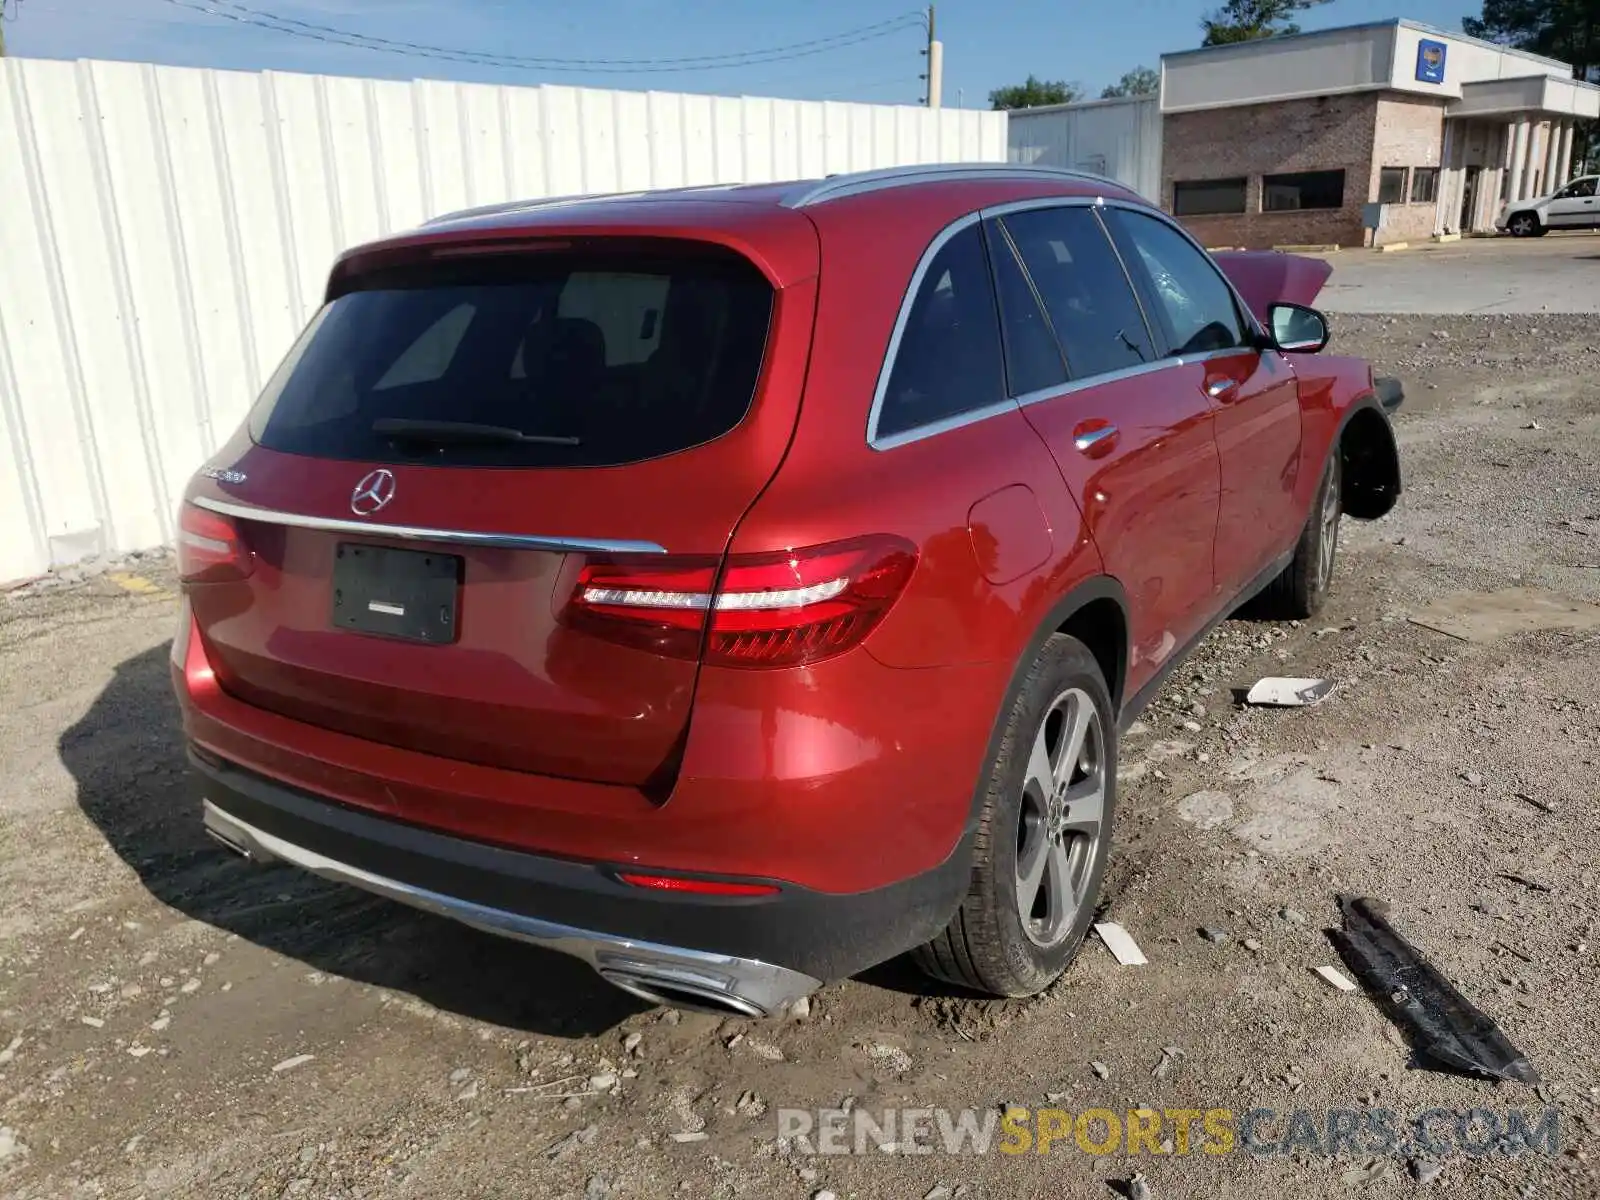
(1086, 292)
(948, 362)
(563, 359)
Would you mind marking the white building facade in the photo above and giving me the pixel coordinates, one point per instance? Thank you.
(1289, 140)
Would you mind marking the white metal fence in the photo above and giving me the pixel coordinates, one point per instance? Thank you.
(165, 232)
(1119, 138)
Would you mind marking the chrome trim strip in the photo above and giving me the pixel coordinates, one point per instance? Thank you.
(945, 426)
(1089, 381)
(860, 182)
(1033, 202)
(742, 983)
(417, 533)
(1230, 352)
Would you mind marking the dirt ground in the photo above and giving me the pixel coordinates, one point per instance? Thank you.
(176, 1023)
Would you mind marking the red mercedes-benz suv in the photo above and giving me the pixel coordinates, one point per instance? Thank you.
(737, 587)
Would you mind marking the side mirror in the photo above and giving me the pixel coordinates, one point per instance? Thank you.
(1297, 329)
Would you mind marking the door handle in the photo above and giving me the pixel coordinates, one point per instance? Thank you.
(1219, 386)
(1095, 442)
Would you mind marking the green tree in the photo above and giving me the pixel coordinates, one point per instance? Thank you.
(1034, 92)
(1248, 20)
(1565, 29)
(1141, 81)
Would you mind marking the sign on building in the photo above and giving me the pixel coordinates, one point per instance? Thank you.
(1430, 61)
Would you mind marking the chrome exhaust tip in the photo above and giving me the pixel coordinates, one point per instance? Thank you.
(702, 982)
(231, 836)
(227, 843)
(683, 994)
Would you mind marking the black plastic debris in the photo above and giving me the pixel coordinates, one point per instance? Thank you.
(1442, 1024)
(1533, 885)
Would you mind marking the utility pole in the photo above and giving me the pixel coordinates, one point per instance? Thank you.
(932, 97)
(9, 10)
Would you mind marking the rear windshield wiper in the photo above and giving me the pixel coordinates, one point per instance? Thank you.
(464, 432)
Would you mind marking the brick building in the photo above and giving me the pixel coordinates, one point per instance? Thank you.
(1289, 140)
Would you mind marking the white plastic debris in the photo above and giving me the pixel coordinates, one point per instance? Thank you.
(1121, 944)
(289, 1064)
(1337, 978)
(1283, 691)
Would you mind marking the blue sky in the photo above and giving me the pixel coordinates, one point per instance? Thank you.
(987, 42)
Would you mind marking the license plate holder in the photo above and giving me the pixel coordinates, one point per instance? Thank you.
(406, 594)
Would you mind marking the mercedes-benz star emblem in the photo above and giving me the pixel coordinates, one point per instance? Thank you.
(374, 491)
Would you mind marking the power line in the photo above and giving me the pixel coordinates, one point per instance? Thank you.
(245, 15)
(904, 20)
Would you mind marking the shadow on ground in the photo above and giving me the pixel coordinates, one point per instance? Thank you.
(126, 756)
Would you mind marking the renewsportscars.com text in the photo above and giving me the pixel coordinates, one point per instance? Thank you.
(1333, 1132)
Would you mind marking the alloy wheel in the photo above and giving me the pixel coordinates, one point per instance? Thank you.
(1328, 520)
(1061, 825)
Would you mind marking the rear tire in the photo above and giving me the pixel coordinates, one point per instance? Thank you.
(1302, 589)
(1044, 833)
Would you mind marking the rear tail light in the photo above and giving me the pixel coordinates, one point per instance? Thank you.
(210, 547)
(766, 610)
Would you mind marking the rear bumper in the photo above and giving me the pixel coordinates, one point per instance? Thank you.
(844, 777)
(750, 954)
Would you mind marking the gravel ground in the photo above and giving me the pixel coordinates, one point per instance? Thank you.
(174, 1023)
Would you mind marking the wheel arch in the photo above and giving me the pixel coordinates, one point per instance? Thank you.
(1095, 611)
(1370, 459)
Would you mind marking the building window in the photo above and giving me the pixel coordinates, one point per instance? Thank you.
(1208, 197)
(1303, 189)
(1424, 185)
(1392, 185)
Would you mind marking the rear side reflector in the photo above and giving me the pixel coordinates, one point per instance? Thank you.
(767, 610)
(705, 887)
(210, 547)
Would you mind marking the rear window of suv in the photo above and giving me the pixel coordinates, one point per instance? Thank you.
(561, 358)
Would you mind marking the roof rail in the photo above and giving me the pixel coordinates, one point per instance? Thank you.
(854, 184)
